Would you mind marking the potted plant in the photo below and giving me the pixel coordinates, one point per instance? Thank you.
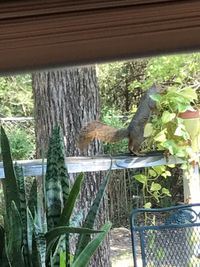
(168, 130)
(30, 238)
(191, 120)
(175, 128)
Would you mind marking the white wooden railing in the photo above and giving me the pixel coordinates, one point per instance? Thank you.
(98, 163)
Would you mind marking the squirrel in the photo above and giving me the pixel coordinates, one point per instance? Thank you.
(134, 132)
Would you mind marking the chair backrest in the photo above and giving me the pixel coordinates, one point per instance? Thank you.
(166, 237)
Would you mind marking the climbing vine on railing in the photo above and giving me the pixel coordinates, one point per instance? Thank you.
(166, 131)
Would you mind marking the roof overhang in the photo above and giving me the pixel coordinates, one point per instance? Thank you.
(38, 34)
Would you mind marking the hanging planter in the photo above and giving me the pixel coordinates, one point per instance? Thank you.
(192, 125)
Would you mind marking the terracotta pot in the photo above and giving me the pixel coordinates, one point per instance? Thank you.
(190, 114)
(192, 125)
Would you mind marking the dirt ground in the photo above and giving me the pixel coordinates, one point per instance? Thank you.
(121, 248)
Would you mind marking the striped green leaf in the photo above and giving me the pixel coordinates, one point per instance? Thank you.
(40, 242)
(70, 203)
(57, 189)
(56, 179)
(10, 189)
(30, 228)
(3, 259)
(22, 210)
(60, 230)
(32, 199)
(14, 237)
(84, 239)
(55, 233)
(86, 254)
(66, 214)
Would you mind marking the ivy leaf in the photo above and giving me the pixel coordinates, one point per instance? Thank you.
(156, 97)
(141, 178)
(159, 169)
(148, 205)
(184, 166)
(170, 145)
(181, 107)
(155, 187)
(166, 174)
(148, 130)
(171, 166)
(152, 173)
(181, 131)
(189, 93)
(161, 137)
(181, 153)
(166, 192)
(156, 195)
(167, 116)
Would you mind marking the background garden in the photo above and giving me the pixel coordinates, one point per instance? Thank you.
(121, 85)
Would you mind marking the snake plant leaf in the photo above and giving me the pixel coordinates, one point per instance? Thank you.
(57, 184)
(22, 210)
(14, 239)
(60, 248)
(38, 240)
(10, 189)
(57, 188)
(40, 243)
(36, 257)
(60, 230)
(30, 228)
(84, 239)
(32, 199)
(70, 203)
(86, 254)
(64, 220)
(3, 257)
(2, 244)
(62, 170)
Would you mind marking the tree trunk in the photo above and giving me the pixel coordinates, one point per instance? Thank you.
(70, 98)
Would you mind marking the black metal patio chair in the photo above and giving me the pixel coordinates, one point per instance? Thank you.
(166, 237)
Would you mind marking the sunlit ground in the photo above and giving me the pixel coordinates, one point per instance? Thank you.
(125, 260)
(121, 248)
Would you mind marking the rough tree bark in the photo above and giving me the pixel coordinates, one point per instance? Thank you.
(70, 99)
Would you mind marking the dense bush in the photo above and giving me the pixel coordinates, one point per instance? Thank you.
(16, 96)
(22, 143)
(113, 118)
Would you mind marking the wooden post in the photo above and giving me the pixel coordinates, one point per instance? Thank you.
(191, 181)
(191, 185)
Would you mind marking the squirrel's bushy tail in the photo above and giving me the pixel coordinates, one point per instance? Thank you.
(100, 131)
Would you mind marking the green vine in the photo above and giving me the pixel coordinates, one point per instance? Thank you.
(166, 131)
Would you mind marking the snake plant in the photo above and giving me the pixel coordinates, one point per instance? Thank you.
(36, 227)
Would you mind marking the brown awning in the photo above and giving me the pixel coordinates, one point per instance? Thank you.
(36, 34)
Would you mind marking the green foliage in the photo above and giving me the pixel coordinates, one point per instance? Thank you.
(84, 257)
(16, 100)
(113, 118)
(22, 143)
(179, 70)
(115, 80)
(179, 75)
(168, 131)
(84, 239)
(151, 186)
(28, 242)
(16, 96)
